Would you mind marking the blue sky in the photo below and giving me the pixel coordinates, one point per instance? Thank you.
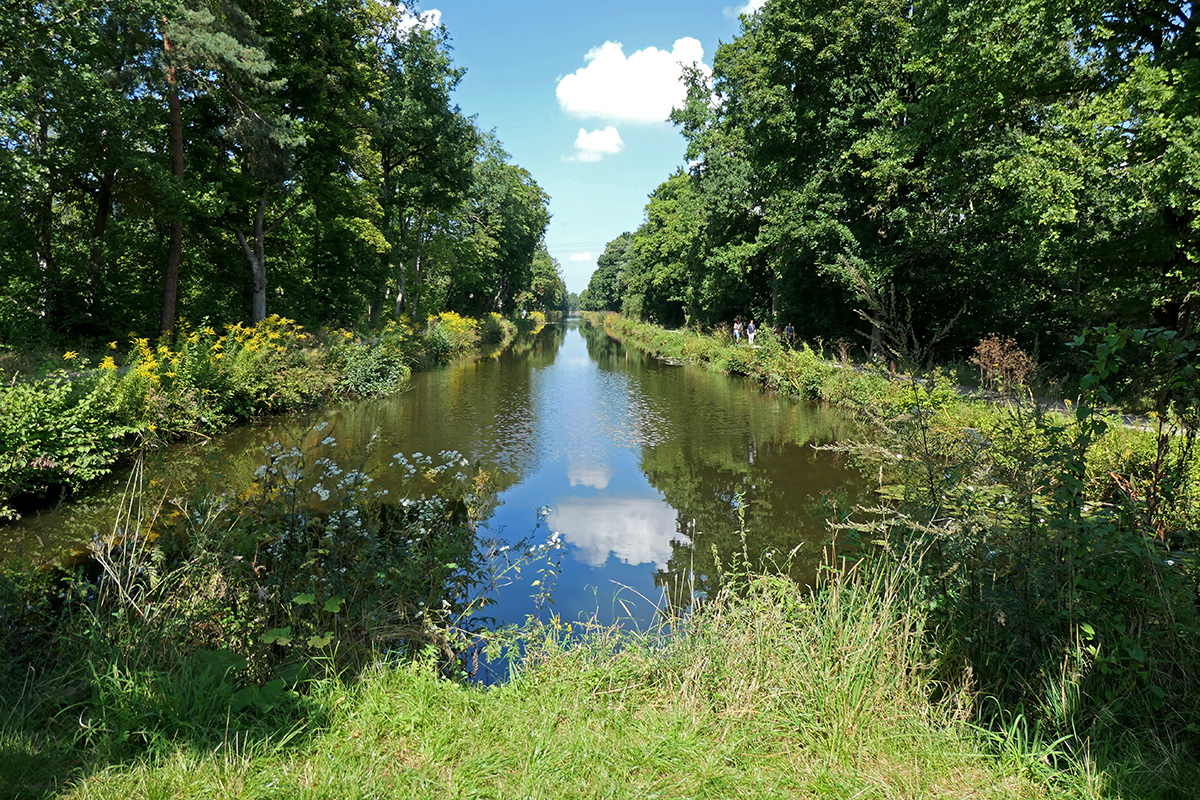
(579, 93)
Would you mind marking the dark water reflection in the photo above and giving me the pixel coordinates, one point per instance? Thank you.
(650, 472)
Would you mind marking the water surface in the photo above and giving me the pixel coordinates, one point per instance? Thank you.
(653, 476)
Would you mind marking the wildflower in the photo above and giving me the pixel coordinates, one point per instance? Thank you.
(112, 345)
(108, 363)
(70, 354)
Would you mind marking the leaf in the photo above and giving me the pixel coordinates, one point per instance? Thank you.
(281, 636)
(320, 641)
(334, 604)
(305, 599)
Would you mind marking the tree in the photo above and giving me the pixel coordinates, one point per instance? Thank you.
(603, 292)
(663, 252)
(547, 289)
(503, 223)
(427, 149)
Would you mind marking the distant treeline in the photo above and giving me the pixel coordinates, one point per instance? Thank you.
(231, 159)
(1025, 169)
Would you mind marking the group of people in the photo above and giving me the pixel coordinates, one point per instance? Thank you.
(787, 334)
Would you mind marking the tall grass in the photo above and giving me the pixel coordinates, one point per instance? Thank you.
(768, 691)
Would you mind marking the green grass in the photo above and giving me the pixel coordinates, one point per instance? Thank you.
(773, 692)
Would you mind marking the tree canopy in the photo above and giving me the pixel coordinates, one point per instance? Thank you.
(233, 158)
(1025, 169)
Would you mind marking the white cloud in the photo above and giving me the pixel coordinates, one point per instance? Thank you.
(597, 144)
(751, 7)
(641, 88)
(584, 256)
(636, 530)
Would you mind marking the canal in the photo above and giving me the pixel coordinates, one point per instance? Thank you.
(653, 478)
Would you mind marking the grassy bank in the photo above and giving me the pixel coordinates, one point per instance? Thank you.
(1054, 551)
(768, 692)
(69, 420)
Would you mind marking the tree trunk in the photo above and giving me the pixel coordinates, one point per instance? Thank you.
(175, 249)
(401, 290)
(99, 225)
(256, 257)
(776, 279)
(418, 243)
(44, 222)
(416, 285)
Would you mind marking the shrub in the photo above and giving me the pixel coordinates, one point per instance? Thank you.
(461, 333)
(55, 433)
(1003, 366)
(371, 369)
(495, 329)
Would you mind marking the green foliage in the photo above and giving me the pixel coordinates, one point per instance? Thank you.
(495, 329)
(66, 430)
(603, 292)
(1037, 165)
(48, 438)
(773, 691)
(373, 369)
(319, 146)
(1033, 562)
(213, 612)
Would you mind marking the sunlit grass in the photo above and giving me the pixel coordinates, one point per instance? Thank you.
(773, 693)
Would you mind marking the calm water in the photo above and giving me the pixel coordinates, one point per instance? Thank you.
(650, 472)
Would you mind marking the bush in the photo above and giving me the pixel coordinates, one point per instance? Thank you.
(55, 433)
(373, 369)
(1082, 612)
(495, 329)
(196, 616)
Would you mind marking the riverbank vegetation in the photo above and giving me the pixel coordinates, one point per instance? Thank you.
(1054, 550)
(63, 430)
(182, 184)
(769, 691)
(225, 162)
(1007, 186)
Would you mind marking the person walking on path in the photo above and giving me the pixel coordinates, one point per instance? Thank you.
(737, 331)
(789, 334)
(750, 332)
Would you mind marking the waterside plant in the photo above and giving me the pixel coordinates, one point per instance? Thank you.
(65, 428)
(770, 690)
(1053, 549)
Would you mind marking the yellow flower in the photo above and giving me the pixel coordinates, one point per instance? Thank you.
(112, 345)
(108, 363)
(70, 354)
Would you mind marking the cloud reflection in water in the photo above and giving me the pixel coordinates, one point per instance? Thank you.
(637, 530)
